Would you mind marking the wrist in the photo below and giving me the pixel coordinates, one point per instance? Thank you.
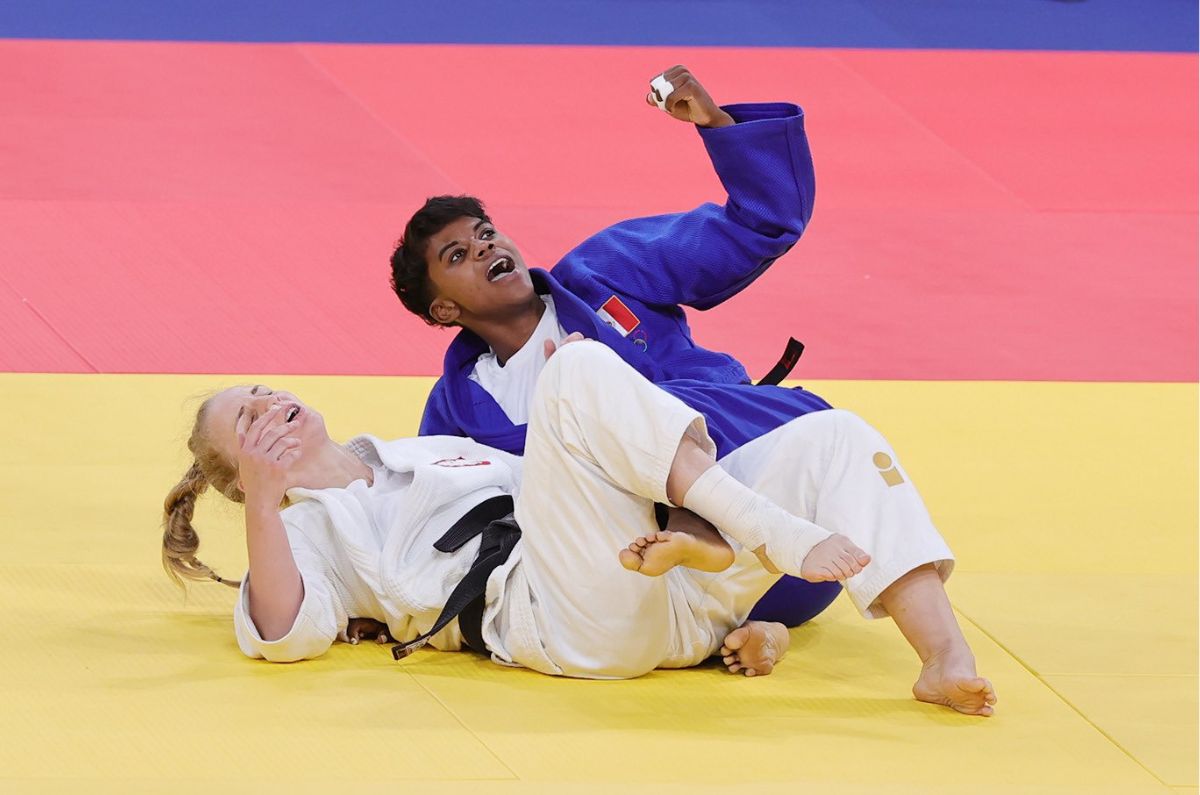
(261, 504)
(719, 119)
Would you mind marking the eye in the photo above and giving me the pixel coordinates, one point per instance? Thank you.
(456, 256)
(487, 234)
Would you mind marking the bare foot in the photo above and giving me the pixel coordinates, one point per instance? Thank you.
(835, 558)
(952, 682)
(366, 629)
(657, 553)
(755, 647)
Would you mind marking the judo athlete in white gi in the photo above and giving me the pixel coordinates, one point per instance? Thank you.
(357, 538)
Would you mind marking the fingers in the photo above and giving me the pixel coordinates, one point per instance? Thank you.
(268, 436)
(271, 437)
(243, 425)
(278, 442)
(674, 76)
(841, 569)
(548, 347)
(261, 424)
(284, 450)
(686, 88)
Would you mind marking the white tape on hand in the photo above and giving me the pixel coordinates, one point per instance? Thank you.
(660, 89)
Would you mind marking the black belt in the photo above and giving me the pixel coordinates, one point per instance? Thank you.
(791, 355)
(493, 519)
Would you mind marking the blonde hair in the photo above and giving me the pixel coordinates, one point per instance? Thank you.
(180, 541)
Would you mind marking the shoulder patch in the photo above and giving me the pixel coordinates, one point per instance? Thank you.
(620, 317)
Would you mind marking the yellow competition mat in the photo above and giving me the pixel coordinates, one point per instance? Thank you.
(1072, 509)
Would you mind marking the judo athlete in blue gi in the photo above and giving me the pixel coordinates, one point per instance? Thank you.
(625, 287)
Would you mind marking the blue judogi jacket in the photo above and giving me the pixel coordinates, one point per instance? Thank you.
(654, 266)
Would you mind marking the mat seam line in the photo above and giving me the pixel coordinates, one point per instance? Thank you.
(46, 322)
(1062, 697)
(467, 729)
(341, 88)
(1124, 676)
(977, 167)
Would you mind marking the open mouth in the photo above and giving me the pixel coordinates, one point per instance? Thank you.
(500, 268)
(292, 414)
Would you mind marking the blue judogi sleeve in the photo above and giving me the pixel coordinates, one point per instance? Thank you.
(701, 258)
(436, 420)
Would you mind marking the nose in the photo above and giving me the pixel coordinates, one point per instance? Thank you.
(483, 248)
(263, 402)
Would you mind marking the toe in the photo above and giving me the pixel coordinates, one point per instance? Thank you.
(737, 639)
(975, 685)
(630, 560)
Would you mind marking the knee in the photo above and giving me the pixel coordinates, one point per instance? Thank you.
(585, 356)
(572, 368)
(842, 424)
(852, 427)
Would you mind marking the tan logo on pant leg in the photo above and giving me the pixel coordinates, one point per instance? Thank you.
(887, 470)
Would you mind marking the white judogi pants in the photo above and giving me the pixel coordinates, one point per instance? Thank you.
(600, 445)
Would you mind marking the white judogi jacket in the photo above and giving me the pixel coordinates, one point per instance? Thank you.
(352, 567)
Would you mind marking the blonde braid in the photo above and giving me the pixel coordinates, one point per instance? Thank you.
(180, 540)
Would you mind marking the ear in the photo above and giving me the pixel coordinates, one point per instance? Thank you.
(444, 311)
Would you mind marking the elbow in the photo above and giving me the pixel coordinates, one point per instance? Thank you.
(291, 655)
(271, 632)
(273, 626)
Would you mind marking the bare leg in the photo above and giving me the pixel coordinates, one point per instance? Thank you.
(918, 604)
(834, 558)
(688, 541)
(691, 461)
(755, 647)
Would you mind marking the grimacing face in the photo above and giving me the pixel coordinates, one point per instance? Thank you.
(245, 404)
(477, 273)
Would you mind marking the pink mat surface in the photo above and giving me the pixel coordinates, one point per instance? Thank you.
(231, 207)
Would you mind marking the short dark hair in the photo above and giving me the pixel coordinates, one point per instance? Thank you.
(410, 271)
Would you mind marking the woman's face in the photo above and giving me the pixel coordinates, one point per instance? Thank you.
(236, 409)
